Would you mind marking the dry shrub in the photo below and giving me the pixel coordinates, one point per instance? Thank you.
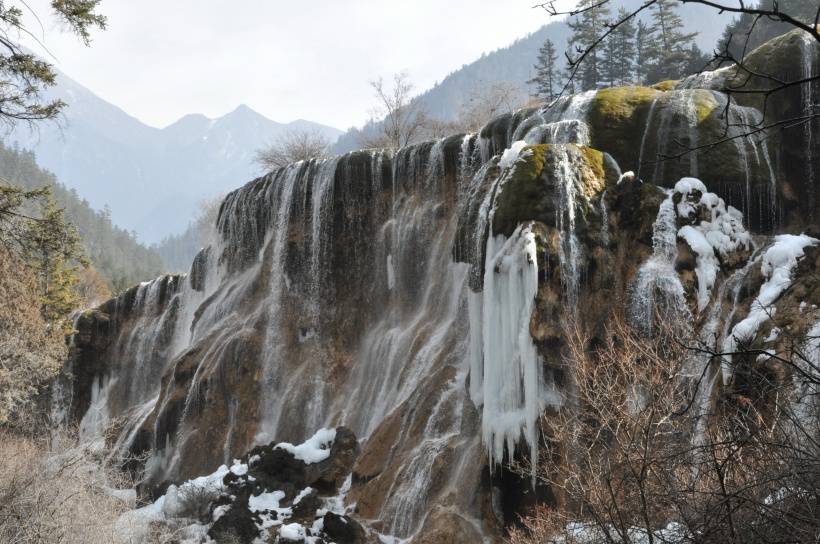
(55, 497)
(636, 455)
(31, 352)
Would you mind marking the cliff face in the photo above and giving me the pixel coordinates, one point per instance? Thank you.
(419, 298)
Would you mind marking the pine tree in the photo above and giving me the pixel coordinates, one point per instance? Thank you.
(586, 29)
(669, 49)
(546, 73)
(642, 37)
(625, 50)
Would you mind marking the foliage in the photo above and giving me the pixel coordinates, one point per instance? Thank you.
(640, 451)
(64, 496)
(620, 53)
(33, 228)
(292, 147)
(747, 31)
(114, 252)
(585, 28)
(23, 76)
(31, 352)
(670, 51)
(546, 72)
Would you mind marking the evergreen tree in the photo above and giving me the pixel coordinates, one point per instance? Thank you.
(546, 72)
(642, 38)
(669, 49)
(113, 251)
(34, 228)
(586, 29)
(749, 31)
(623, 39)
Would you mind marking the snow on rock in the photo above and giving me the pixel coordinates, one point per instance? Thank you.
(292, 532)
(511, 154)
(707, 263)
(691, 190)
(714, 231)
(776, 266)
(314, 449)
(265, 501)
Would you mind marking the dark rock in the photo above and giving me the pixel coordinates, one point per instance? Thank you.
(343, 529)
(235, 525)
(305, 509)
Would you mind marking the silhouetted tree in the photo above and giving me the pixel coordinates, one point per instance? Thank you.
(546, 72)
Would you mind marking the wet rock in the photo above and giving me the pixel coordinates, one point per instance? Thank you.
(343, 529)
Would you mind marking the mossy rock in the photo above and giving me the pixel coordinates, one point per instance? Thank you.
(780, 58)
(523, 193)
(617, 118)
(667, 85)
(529, 189)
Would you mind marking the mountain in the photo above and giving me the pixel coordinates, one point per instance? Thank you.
(514, 63)
(114, 252)
(152, 179)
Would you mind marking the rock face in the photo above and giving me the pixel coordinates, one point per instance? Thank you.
(419, 299)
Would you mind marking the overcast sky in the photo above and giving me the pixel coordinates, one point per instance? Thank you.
(161, 59)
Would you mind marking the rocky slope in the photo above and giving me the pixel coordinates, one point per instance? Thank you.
(418, 299)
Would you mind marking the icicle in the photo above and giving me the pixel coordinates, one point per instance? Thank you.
(512, 381)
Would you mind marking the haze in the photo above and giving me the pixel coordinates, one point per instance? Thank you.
(160, 60)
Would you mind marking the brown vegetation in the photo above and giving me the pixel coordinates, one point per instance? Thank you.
(638, 446)
(61, 497)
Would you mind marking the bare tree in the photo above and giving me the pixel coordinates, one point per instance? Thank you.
(292, 146)
(635, 455)
(404, 117)
(489, 101)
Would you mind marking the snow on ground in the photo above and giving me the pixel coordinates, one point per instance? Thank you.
(136, 525)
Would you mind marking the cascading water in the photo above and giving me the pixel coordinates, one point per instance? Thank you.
(658, 292)
(560, 122)
(370, 291)
(809, 60)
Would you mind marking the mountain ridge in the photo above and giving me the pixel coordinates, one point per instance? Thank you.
(153, 179)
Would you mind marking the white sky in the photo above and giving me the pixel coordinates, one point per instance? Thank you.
(162, 59)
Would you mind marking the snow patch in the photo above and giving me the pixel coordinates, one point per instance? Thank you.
(776, 266)
(511, 154)
(315, 449)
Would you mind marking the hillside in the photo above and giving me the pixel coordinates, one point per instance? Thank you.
(152, 179)
(113, 251)
(514, 63)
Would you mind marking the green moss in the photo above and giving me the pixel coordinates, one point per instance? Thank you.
(705, 104)
(522, 194)
(528, 193)
(617, 118)
(667, 85)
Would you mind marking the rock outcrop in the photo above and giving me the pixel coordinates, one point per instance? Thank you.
(419, 299)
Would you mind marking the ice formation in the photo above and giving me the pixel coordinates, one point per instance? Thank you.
(713, 238)
(776, 266)
(512, 382)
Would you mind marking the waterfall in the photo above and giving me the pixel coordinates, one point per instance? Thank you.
(809, 47)
(570, 254)
(370, 291)
(512, 382)
(560, 122)
(657, 287)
